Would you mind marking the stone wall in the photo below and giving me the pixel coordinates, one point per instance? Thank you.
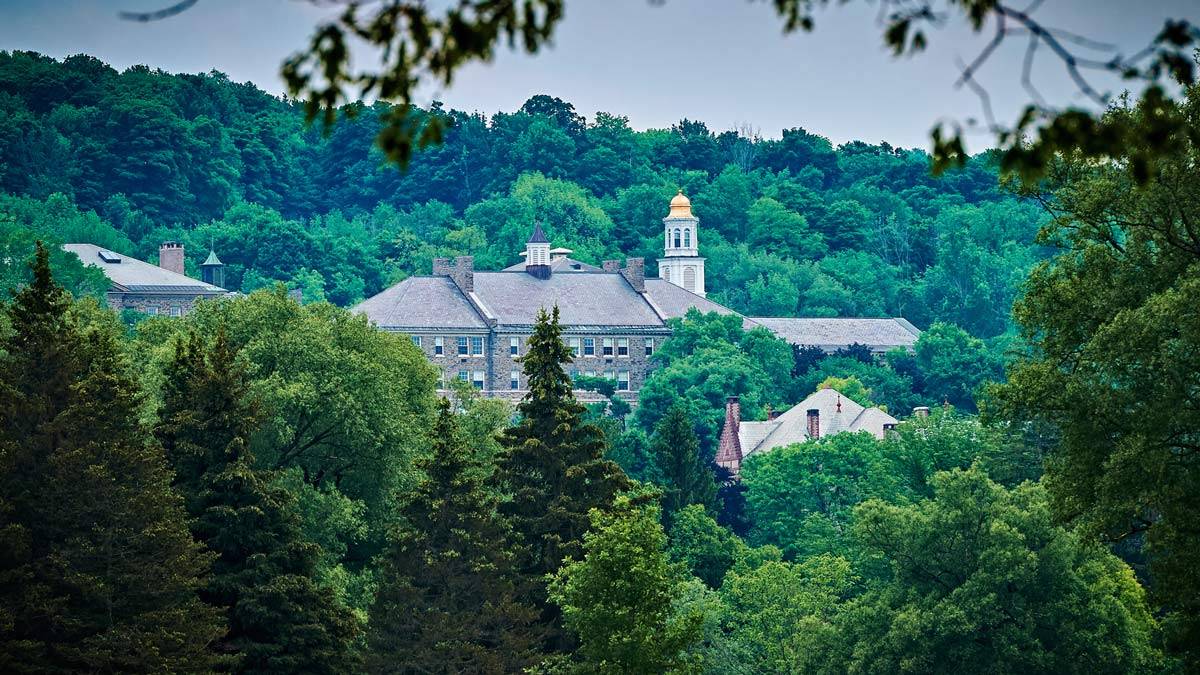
(161, 304)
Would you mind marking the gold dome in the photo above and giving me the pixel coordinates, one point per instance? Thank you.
(681, 207)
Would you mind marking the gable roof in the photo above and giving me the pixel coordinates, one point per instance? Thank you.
(792, 426)
(421, 302)
(138, 276)
(583, 299)
(835, 333)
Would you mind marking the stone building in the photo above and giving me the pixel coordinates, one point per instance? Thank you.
(823, 413)
(473, 324)
(153, 289)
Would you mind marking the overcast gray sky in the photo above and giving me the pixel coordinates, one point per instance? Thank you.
(724, 62)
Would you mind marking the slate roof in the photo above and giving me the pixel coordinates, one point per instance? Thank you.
(538, 236)
(421, 302)
(831, 334)
(792, 426)
(558, 265)
(583, 299)
(137, 276)
(675, 301)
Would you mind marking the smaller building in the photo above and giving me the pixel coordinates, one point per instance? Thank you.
(831, 334)
(153, 289)
(823, 413)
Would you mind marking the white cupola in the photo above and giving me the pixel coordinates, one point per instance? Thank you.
(681, 263)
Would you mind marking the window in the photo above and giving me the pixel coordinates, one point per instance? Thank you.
(689, 278)
(687, 237)
(416, 340)
(574, 347)
(622, 380)
(514, 346)
(477, 379)
(649, 346)
(610, 375)
(514, 379)
(464, 376)
(677, 238)
(589, 373)
(439, 346)
(152, 311)
(477, 346)
(462, 346)
(176, 310)
(622, 346)
(589, 346)
(608, 346)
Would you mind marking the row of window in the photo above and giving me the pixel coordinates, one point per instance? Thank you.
(473, 345)
(176, 310)
(621, 376)
(476, 378)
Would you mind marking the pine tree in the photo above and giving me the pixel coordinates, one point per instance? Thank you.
(98, 571)
(447, 601)
(686, 478)
(280, 620)
(553, 467)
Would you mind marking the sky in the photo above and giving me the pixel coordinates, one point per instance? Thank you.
(724, 62)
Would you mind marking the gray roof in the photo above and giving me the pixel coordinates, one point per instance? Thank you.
(138, 276)
(538, 236)
(830, 334)
(421, 302)
(675, 301)
(558, 265)
(792, 426)
(583, 299)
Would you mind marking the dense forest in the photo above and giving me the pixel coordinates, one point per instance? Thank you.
(269, 486)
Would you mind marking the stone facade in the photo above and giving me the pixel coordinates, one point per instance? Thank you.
(151, 289)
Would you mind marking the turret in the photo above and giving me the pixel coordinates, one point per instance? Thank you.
(212, 270)
(681, 263)
(537, 253)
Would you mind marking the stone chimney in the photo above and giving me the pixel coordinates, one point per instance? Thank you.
(729, 451)
(461, 272)
(814, 423)
(170, 256)
(921, 411)
(611, 265)
(635, 273)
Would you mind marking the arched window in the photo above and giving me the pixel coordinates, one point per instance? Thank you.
(689, 278)
(666, 273)
(687, 237)
(677, 238)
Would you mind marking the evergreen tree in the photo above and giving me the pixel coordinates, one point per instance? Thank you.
(98, 572)
(686, 478)
(447, 601)
(553, 466)
(280, 621)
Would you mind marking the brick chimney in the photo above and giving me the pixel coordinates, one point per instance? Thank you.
(461, 271)
(729, 451)
(814, 423)
(921, 411)
(635, 273)
(611, 265)
(170, 256)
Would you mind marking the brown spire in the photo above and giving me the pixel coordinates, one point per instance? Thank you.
(729, 452)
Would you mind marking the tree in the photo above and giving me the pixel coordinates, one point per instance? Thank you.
(263, 579)
(98, 570)
(707, 549)
(686, 478)
(983, 581)
(617, 596)
(447, 601)
(1114, 363)
(553, 466)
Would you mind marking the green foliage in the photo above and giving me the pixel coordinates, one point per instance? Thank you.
(1114, 331)
(617, 597)
(264, 577)
(983, 581)
(704, 547)
(447, 600)
(98, 570)
(684, 474)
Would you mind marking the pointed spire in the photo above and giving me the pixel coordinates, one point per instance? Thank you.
(538, 236)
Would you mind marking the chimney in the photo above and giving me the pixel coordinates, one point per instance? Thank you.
(921, 411)
(441, 267)
(635, 273)
(729, 451)
(170, 256)
(814, 423)
(611, 265)
(772, 413)
(461, 271)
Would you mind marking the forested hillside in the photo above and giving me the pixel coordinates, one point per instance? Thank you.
(795, 225)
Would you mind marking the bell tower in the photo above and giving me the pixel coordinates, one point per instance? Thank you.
(681, 263)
